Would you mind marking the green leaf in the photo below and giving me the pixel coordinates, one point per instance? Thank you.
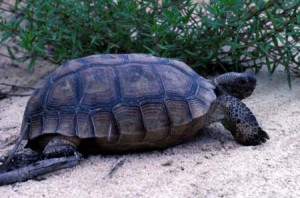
(275, 41)
(162, 47)
(31, 63)
(150, 50)
(74, 37)
(288, 76)
(183, 30)
(234, 45)
(190, 53)
(265, 49)
(11, 54)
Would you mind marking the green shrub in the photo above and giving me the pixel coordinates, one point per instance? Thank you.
(224, 35)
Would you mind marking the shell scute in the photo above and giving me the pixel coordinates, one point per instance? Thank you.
(174, 81)
(51, 121)
(62, 93)
(104, 126)
(35, 103)
(66, 124)
(130, 123)
(99, 87)
(179, 112)
(156, 121)
(139, 81)
(35, 126)
(84, 125)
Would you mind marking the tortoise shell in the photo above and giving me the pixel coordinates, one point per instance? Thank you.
(120, 102)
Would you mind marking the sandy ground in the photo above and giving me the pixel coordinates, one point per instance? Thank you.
(212, 165)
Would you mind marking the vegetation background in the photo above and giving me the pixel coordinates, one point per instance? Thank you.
(212, 36)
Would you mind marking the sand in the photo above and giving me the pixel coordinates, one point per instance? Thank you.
(212, 165)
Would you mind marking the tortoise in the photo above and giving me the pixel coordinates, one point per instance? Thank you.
(134, 102)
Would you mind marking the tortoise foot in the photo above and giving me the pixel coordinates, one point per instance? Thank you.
(59, 151)
(59, 146)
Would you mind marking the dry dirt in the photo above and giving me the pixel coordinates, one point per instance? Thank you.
(212, 165)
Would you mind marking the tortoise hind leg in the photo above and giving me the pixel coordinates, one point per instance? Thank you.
(58, 146)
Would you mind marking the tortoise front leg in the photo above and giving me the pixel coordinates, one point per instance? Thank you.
(240, 121)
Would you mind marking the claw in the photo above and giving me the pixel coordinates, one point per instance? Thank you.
(259, 138)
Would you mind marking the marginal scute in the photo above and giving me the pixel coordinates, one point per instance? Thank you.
(105, 128)
(84, 126)
(156, 121)
(35, 126)
(130, 123)
(50, 122)
(198, 107)
(66, 124)
(179, 112)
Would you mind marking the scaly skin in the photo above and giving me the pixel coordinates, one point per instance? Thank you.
(239, 85)
(240, 121)
(58, 146)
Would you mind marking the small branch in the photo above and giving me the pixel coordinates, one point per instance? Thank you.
(6, 95)
(37, 169)
(5, 10)
(6, 56)
(17, 144)
(116, 166)
(17, 86)
(6, 3)
(18, 95)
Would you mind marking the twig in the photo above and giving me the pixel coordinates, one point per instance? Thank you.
(8, 4)
(5, 10)
(19, 160)
(37, 169)
(116, 166)
(17, 144)
(6, 56)
(18, 95)
(17, 86)
(6, 95)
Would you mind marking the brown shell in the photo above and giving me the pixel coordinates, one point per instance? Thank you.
(120, 102)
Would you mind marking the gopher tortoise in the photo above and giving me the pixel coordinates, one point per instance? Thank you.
(134, 102)
(128, 102)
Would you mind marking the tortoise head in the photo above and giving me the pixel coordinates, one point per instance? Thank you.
(239, 85)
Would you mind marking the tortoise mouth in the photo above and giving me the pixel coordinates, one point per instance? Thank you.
(246, 92)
